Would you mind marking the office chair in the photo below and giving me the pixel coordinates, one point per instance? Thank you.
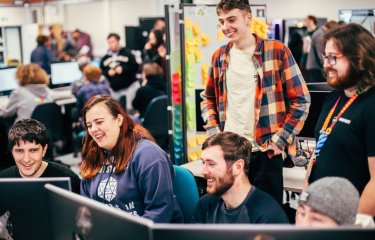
(186, 191)
(50, 115)
(122, 101)
(78, 130)
(155, 120)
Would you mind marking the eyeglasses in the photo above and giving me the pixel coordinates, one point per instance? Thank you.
(331, 59)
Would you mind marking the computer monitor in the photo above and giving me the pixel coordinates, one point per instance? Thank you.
(24, 207)
(95, 63)
(63, 74)
(79, 217)
(318, 93)
(8, 81)
(255, 232)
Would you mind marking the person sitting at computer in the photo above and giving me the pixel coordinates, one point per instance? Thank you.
(330, 202)
(231, 198)
(28, 142)
(122, 165)
(153, 85)
(33, 90)
(92, 85)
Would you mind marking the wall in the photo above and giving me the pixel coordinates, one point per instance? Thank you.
(12, 16)
(92, 18)
(98, 18)
(277, 9)
(103, 17)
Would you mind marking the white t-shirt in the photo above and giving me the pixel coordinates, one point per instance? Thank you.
(241, 78)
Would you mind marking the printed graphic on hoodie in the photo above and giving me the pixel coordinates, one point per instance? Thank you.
(107, 189)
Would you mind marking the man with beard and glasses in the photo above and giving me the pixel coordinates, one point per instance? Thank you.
(255, 89)
(231, 198)
(346, 126)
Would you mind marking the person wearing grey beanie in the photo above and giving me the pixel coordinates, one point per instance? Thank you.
(328, 202)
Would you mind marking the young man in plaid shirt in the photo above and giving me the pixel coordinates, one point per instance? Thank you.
(255, 89)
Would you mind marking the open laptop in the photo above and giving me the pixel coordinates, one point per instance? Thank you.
(76, 216)
(24, 207)
(255, 232)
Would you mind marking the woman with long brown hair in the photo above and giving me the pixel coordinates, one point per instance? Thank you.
(123, 167)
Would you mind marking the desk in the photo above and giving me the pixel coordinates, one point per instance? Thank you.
(293, 177)
(62, 98)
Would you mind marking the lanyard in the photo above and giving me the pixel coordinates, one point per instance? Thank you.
(326, 131)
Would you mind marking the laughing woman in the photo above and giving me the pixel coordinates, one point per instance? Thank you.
(123, 167)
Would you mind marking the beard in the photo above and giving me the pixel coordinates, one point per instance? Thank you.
(222, 185)
(348, 80)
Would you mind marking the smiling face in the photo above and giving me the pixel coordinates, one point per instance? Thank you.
(216, 171)
(235, 24)
(102, 126)
(28, 157)
(308, 217)
(339, 75)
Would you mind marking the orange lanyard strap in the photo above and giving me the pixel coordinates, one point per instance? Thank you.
(330, 114)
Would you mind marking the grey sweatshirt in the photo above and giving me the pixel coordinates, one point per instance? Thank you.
(23, 100)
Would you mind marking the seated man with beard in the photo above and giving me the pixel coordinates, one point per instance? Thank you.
(231, 198)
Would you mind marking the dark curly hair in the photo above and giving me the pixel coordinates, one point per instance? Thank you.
(28, 130)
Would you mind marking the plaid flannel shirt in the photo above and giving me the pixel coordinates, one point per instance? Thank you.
(281, 101)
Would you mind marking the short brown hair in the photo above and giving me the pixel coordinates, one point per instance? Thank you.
(330, 25)
(152, 69)
(31, 74)
(312, 18)
(228, 5)
(42, 39)
(114, 35)
(233, 146)
(92, 73)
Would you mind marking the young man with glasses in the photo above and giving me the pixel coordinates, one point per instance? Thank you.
(255, 89)
(346, 127)
(231, 198)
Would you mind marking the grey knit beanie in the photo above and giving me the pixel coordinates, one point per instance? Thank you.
(335, 197)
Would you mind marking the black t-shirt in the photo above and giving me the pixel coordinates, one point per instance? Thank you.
(258, 207)
(351, 142)
(52, 170)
